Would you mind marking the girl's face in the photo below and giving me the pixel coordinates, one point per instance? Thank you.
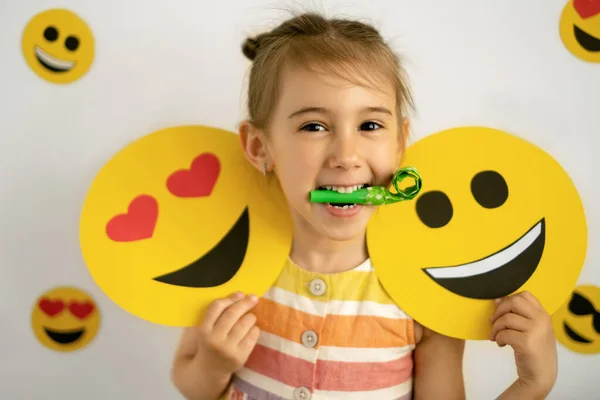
(327, 132)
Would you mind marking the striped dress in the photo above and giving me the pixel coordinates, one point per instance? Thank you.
(328, 336)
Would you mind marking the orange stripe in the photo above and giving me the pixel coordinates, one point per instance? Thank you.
(365, 331)
(284, 321)
(338, 331)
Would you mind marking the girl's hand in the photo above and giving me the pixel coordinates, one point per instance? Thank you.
(521, 322)
(228, 333)
(209, 354)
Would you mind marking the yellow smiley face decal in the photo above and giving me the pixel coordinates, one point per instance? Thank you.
(580, 29)
(65, 319)
(58, 46)
(577, 322)
(496, 215)
(177, 219)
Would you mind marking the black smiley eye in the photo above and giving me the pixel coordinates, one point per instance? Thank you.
(50, 34)
(434, 209)
(72, 43)
(489, 189)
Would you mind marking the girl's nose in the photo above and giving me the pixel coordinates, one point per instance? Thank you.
(344, 154)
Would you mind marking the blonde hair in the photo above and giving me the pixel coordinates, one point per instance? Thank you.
(349, 49)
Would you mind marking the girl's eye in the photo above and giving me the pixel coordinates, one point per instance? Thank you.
(313, 127)
(369, 126)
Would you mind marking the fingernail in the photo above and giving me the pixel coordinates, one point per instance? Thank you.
(253, 298)
(496, 301)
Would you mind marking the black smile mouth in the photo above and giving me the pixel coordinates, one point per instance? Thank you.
(576, 337)
(51, 63)
(64, 337)
(496, 275)
(585, 40)
(217, 266)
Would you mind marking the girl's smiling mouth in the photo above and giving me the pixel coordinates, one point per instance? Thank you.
(343, 210)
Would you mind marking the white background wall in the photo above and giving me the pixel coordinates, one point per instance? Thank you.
(159, 63)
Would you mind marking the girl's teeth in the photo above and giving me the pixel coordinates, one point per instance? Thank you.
(344, 207)
(342, 189)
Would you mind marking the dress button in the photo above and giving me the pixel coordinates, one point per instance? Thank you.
(317, 287)
(301, 393)
(309, 338)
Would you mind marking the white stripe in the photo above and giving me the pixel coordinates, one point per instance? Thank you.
(298, 302)
(331, 353)
(333, 307)
(265, 383)
(353, 354)
(391, 393)
(368, 308)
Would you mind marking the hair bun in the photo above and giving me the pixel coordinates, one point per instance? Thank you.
(250, 48)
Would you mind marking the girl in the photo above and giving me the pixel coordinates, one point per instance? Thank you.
(328, 106)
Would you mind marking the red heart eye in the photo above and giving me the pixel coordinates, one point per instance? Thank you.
(587, 8)
(51, 307)
(137, 224)
(197, 181)
(81, 310)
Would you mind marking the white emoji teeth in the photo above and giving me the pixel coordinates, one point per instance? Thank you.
(53, 61)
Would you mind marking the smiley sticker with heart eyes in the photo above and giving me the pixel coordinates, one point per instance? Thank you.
(65, 319)
(177, 219)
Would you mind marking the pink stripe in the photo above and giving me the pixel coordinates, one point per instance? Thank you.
(362, 376)
(284, 368)
(329, 375)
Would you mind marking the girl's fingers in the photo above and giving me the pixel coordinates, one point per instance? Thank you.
(533, 300)
(517, 304)
(510, 321)
(216, 308)
(249, 341)
(509, 337)
(232, 314)
(241, 328)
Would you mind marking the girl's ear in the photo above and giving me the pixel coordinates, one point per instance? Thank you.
(254, 145)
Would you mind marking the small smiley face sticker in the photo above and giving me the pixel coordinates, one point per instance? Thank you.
(496, 215)
(65, 319)
(577, 322)
(580, 29)
(58, 46)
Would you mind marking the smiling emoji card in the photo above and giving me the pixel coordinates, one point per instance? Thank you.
(496, 215)
(177, 219)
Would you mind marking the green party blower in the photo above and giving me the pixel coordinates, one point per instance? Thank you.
(374, 195)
